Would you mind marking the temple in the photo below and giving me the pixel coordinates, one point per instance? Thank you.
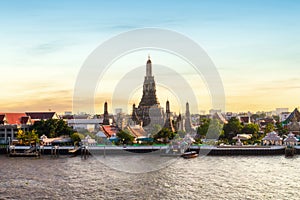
(149, 89)
(292, 122)
(149, 111)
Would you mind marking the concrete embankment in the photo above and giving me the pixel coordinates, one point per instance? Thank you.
(129, 150)
(239, 150)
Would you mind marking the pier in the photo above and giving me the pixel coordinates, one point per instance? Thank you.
(29, 151)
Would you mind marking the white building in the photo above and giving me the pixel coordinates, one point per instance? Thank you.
(85, 124)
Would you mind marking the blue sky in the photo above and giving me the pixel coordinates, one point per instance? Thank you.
(254, 44)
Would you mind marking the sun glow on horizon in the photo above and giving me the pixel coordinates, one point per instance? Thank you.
(254, 46)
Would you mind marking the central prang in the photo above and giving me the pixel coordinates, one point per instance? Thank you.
(149, 110)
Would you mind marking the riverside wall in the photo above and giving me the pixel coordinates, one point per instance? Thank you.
(130, 150)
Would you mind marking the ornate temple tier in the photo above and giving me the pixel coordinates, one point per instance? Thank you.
(148, 111)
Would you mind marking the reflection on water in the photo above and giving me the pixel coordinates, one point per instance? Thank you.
(273, 177)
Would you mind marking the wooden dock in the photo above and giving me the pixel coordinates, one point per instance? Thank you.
(28, 151)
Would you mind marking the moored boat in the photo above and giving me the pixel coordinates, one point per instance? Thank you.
(190, 154)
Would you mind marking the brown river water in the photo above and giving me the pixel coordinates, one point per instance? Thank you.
(121, 177)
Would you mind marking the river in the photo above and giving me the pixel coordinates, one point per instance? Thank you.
(128, 177)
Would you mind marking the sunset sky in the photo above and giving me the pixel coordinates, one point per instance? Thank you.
(254, 44)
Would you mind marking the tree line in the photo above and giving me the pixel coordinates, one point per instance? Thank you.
(213, 129)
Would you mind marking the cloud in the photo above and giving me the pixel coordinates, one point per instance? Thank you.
(49, 47)
(279, 85)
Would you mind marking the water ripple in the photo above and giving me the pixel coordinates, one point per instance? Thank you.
(273, 177)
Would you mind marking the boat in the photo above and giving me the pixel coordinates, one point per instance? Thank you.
(190, 154)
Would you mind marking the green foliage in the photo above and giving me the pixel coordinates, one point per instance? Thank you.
(164, 135)
(209, 129)
(76, 137)
(250, 129)
(181, 134)
(155, 129)
(203, 128)
(232, 128)
(281, 130)
(269, 128)
(52, 128)
(27, 137)
(198, 141)
(125, 137)
(214, 130)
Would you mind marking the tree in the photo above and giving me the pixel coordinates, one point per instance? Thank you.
(155, 128)
(125, 137)
(76, 137)
(276, 118)
(269, 128)
(27, 137)
(21, 136)
(181, 133)
(214, 130)
(52, 128)
(232, 128)
(250, 129)
(164, 135)
(281, 130)
(203, 128)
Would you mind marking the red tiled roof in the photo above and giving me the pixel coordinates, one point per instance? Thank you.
(40, 115)
(15, 118)
(109, 130)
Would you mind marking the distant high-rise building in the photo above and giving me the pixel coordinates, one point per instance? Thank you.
(281, 110)
(118, 110)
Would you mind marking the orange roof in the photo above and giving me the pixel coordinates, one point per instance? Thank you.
(109, 130)
(15, 118)
(137, 131)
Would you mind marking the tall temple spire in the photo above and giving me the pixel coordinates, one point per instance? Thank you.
(149, 89)
(105, 115)
(148, 110)
(168, 123)
(187, 108)
(188, 122)
(148, 67)
(179, 123)
(105, 108)
(168, 107)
